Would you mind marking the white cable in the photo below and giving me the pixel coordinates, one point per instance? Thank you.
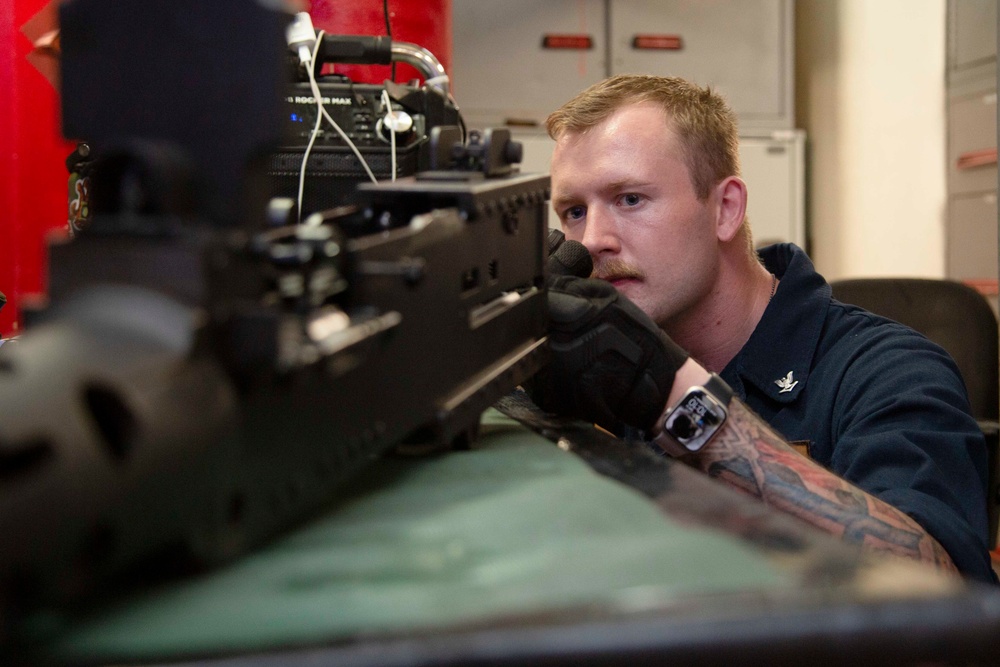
(305, 159)
(312, 136)
(439, 83)
(301, 36)
(321, 113)
(319, 106)
(391, 115)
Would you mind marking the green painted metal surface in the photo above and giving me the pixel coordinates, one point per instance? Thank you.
(515, 526)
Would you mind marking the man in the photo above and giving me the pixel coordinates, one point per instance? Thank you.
(645, 175)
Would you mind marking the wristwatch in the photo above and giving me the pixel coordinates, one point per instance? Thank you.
(701, 412)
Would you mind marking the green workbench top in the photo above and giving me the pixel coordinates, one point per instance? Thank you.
(513, 527)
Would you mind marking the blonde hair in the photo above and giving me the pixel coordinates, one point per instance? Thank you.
(702, 120)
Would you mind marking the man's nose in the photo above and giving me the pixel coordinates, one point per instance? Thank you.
(600, 233)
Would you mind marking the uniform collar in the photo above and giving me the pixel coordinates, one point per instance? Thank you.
(778, 356)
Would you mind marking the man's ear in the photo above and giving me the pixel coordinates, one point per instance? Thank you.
(731, 203)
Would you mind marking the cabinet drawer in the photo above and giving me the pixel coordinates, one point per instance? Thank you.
(746, 56)
(972, 143)
(503, 68)
(774, 171)
(972, 34)
(971, 238)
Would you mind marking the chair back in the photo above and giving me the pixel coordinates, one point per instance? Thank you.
(959, 319)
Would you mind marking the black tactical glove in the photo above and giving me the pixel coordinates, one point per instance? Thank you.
(610, 362)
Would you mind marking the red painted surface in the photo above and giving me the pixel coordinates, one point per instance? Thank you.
(426, 23)
(33, 178)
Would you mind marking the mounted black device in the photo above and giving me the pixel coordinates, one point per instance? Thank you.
(367, 114)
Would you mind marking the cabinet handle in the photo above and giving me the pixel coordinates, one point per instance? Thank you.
(985, 286)
(657, 42)
(979, 158)
(572, 42)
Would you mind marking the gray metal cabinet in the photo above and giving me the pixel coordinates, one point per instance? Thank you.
(971, 226)
(741, 48)
(971, 241)
(502, 73)
(774, 170)
(972, 34)
(972, 238)
(972, 141)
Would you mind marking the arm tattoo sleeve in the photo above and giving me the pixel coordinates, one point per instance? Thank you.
(752, 457)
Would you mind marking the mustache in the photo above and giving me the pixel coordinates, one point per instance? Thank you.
(616, 269)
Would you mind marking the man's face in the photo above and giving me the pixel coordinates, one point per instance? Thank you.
(623, 190)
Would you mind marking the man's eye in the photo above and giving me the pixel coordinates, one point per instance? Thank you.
(631, 199)
(574, 213)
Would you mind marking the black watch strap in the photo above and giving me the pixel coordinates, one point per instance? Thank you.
(688, 426)
(718, 387)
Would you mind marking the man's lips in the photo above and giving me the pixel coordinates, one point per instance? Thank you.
(620, 281)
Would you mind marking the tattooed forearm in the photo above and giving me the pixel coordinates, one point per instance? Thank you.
(750, 456)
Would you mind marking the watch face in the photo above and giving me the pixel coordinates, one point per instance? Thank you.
(695, 420)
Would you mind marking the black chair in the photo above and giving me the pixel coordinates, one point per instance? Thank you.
(959, 319)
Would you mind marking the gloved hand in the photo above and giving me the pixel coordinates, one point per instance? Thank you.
(610, 363)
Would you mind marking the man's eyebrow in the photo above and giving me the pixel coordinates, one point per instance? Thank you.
(563, 200)
(625, 184)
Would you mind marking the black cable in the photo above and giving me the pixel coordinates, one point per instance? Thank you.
(388, 32)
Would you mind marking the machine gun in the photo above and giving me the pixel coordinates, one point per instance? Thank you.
(204, 375)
